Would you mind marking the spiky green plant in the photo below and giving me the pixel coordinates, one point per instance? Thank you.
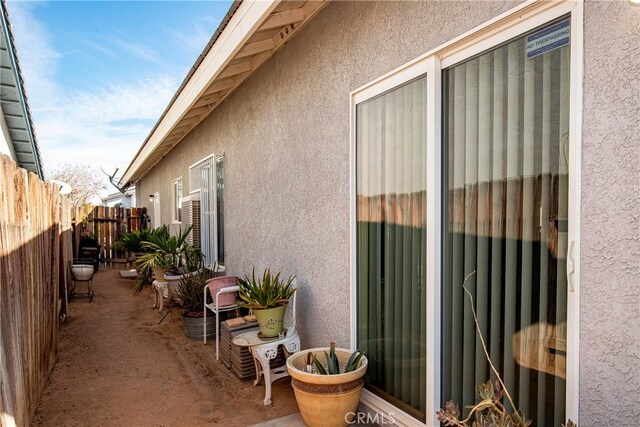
(268, 292)
(333, 364)
(190, 290)
(132, 241)
(162, 250)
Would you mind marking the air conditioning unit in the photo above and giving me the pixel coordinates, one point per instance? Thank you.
(191, 216)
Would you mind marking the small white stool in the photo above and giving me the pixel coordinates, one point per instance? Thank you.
(161, 288)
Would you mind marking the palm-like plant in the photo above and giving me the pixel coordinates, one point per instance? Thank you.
(162, 251)
(268, 292)
(132, 241)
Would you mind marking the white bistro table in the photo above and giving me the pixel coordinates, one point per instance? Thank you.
(263, 351)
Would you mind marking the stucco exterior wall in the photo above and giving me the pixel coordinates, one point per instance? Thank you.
(285, 136)
(610, 227)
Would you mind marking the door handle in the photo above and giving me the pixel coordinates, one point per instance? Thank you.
(571, 266)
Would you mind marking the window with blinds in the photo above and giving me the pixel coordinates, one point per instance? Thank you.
(505, 193)
(391, 243)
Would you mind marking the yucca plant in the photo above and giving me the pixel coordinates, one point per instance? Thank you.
(268, 292)
(190, 291)
(333, 365)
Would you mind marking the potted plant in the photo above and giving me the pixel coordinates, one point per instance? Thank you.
(190, 262)
(327, 383)
(132, 241)
(268, 298)
(189, 293)
(163, 252)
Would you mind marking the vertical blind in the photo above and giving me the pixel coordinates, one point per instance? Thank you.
(505, 148)
(391, 243)
(220, 206)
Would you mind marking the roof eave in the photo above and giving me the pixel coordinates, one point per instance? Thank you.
(239, 26)
(254, 32)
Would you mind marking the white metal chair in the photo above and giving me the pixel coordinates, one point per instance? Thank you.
(219, 288)
(264, 351)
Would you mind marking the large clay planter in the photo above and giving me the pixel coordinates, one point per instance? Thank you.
(270, 320)
(326, 400)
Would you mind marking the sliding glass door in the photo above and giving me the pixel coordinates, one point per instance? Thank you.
(505, 193)
(391, 243)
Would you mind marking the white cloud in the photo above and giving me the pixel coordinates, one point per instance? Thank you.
(38, 60)
(199, 35)
(112, 120)
(136, 49)
(103, 127)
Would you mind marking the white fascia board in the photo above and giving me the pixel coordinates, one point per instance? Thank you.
(244, 22)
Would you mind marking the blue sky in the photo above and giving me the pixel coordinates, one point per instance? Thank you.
(99, 74)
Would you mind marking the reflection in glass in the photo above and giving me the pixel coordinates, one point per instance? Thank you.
(391, 244)
(505, 148)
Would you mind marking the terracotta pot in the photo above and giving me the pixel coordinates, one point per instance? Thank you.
(326, 400)
(271, 320)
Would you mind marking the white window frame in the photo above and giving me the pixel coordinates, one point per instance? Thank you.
(511, 24)
(157, 214)
(174, 202)
(213, 209)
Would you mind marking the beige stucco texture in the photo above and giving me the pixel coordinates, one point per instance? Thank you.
(610, 228)
(285, 136)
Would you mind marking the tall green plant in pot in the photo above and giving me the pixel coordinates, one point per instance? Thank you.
(163, 252)
(189, 293)
(268, 298)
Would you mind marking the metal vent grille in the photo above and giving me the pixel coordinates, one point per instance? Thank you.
(191, 216)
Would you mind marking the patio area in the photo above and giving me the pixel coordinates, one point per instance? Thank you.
(117, 366)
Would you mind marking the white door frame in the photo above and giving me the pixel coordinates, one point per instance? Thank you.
(511, 24)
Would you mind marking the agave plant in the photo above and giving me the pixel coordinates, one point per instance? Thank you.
(268, 292)
(333, 365)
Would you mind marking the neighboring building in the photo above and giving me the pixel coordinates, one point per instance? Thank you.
(383, 151)
(17, 138)
(121, 200)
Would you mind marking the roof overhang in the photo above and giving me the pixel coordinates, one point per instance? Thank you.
(249, 35)
(13, 102)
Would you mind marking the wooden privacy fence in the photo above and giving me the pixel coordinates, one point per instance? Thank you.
(108, 224)
(35, 246)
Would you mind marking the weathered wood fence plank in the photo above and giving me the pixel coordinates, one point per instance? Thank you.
(35, 247)
(107, 224)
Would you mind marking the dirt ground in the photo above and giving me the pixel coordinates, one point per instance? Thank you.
(117, 367)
